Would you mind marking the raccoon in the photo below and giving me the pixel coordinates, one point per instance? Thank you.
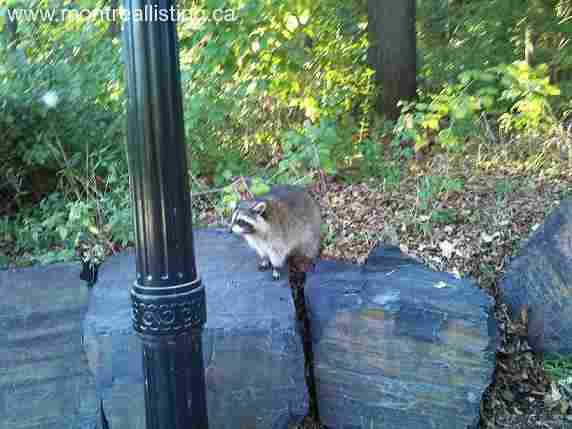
(282, 223)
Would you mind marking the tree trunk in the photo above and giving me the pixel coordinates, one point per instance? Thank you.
(394, 26)
(529, 45)
(374, 51)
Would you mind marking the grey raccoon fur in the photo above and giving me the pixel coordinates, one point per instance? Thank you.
(282, 223)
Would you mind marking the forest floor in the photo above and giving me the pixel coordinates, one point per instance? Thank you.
(469, 224)
(490, 218)
(468, 218)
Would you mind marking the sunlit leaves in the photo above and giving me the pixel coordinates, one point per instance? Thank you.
(514, 93)
(3, 17)
(292, 23)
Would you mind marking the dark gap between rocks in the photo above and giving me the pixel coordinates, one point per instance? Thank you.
(104, 422)
(518, 371)
(296, 281)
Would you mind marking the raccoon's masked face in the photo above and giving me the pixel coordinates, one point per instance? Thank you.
(248, 220)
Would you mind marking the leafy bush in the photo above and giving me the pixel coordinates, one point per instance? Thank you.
(514, 96)
(286, 64)
(54, 115)
(61, 147)
(55, 228)
(528, 93)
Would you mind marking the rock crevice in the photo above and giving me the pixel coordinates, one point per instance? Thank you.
(392, 343)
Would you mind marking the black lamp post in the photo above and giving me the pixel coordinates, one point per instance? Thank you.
(168, 300)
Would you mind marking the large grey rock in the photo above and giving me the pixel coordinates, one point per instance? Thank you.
(253, 354)
(541, 278)
(397, 345)
(45, 382)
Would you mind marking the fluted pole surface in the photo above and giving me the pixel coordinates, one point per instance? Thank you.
(168, 299)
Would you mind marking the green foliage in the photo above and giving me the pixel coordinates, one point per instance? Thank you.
(528, 92)
(558, 367)
(457, 36)
(432, 187)
(430, 191)
(56, 109)
(504, 187)
(328, 234)
(59, 227)
(515, 95)
(285, 64)
(61, 140)
(378, 160)
(314, 147)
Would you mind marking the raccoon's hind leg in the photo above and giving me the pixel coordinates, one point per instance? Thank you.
(277, 262)
(265, 265)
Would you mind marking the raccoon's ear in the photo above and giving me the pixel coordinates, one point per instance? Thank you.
(259, 207)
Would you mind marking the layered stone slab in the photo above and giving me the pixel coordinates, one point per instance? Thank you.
(253, 355)
(397, 345)
(45, 381)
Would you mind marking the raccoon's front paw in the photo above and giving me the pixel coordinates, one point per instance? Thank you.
(275, 274)
(264, 265)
